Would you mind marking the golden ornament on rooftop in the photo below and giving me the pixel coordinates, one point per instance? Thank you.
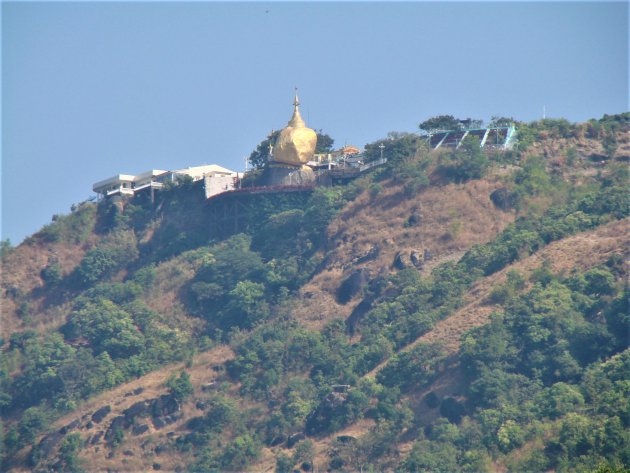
(295, 144)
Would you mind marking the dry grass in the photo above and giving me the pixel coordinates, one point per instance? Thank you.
(95, 457)
(21, 269)
(582, 251)
(164, 297)
(454, 217)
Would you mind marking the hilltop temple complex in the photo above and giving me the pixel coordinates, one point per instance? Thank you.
(293, 149)
(293, 162)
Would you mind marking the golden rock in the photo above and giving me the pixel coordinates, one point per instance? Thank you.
(295, 145)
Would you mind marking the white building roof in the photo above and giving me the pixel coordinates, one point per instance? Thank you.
(151, 173)
(205, 169)
(112, 180)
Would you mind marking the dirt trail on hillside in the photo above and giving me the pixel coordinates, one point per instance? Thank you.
(122, 397)
(583, 250)
(153, 384)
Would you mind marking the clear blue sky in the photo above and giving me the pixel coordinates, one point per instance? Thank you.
(90, 90)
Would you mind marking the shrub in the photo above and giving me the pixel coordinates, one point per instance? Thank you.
(52, 274)
(115, 252)
(180, 387)
(73, 228)
(467, 162)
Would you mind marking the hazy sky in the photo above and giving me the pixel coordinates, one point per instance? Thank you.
(90, 90)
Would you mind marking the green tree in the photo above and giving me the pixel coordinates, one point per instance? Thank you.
(180, 387)
(429, 457)
(33, 421)
(397, 148)
(240, 453)
(52, 274)
(5, 247)
(116, 251)
(260, 156)
(68, 454)
(324, 143)
(107, 327)
(441, 122)
(467, 162)
(247, 305)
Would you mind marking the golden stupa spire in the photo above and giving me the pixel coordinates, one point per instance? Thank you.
(296, 120)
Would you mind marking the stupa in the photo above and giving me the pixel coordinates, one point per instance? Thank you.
(293, 148)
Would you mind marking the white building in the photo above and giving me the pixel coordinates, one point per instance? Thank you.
(216, 179)
(122, 184)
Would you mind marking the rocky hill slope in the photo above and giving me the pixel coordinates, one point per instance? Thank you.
(458, 310)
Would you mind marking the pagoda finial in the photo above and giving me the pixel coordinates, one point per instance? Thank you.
(296, 100)
(296, 120)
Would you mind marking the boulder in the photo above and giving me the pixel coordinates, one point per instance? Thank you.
(370, 255)
(158, 422)
(414, 219)
(402, 260)
(67, 428)
(417, 258)
(139, 429)
(139, 409)
(164, 405)
(97, 437)
(428, 254)
(48, 443)
(118, 423)
(352, 285)
(100, 414)
(293, 439)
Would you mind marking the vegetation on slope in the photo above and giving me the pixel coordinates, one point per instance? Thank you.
(543, 384)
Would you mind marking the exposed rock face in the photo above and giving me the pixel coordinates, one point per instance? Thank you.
(417, 258)
(412, 259)
(352, 285)
(100, 414)
(48, 443)
(67, 428)
(118, 423)
(96, 439)
(139, 429)
(165, 405)
(139, 409)
(402, 260)
(163, 410)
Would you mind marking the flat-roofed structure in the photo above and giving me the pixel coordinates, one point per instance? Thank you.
(499, 137)
(215, 178)
(118, 184)
(199, 172)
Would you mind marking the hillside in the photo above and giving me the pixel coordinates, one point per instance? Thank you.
(454, 310)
